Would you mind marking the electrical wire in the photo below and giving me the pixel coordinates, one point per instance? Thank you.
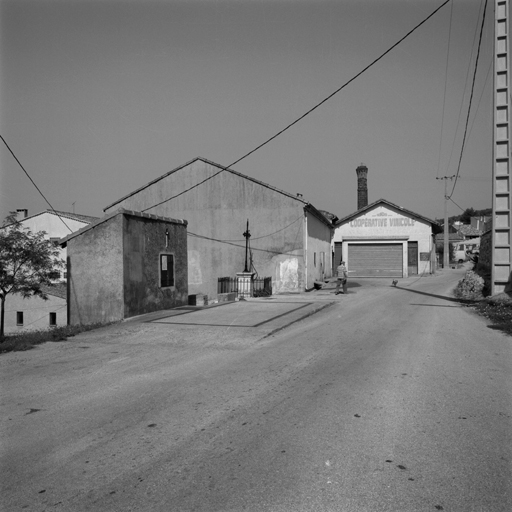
(265, 236)
(309, 111)
(456, 204)
(470, 100)
(464, 94)
(33, 183)
(194, 235)
(445, 83)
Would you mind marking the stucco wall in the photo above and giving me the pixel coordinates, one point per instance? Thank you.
(390, 225)
(217, 213)
(36, 312)
(95, 274)
(319, 261)
(144, 241)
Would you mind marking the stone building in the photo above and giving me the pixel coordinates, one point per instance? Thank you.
(126, 264)
(290, 239)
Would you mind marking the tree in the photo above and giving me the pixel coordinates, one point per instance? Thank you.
(465, 218)
(27, 262)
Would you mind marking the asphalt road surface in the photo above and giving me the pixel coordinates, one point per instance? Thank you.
(394, 400)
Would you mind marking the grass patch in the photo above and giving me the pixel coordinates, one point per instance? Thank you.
(26, 340)
(499, 312)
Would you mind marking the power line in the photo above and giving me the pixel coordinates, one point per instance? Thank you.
(263, 236)
(456, 204)
(464, 94)
(308, 112)
(33, 183)
(445, 83)
(189, 233)
(470, 100)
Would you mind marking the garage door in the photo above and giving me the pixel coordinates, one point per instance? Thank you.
(375, 260)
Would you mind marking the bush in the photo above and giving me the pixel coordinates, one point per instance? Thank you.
(26, 340)
(471, 287)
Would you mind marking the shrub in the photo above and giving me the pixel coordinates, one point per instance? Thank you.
(470, 287)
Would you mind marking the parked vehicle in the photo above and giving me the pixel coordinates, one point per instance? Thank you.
(467, 250)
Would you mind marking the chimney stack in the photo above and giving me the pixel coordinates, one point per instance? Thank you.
(362, 186)
(24, 211)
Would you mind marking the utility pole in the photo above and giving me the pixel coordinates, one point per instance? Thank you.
(446, 243)
(501, 270)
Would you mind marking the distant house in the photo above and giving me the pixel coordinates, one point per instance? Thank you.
(385, 240)
(290, 238)
(469, 231)
(35, 313)
(126, 264)
(57, 225)
(481, 223)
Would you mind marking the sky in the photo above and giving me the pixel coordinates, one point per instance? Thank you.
(99, 97)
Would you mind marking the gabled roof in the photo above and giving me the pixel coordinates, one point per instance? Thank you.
(435, 225)
(67, 215)
(63, 241)
(468, 230)
(452, 237)
(309, 206)
(57, 290)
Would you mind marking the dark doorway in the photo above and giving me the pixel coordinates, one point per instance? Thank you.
(412, 258)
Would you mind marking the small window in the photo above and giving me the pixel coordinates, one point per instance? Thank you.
(54, 275)
(53, 319)
(19, 317)
(65, 275)
(314, 259)
(166, 270)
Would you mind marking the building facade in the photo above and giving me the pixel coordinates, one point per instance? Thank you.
(56, 225)
(290, 239)
(385, 240)
(34, 313)
(126, 264)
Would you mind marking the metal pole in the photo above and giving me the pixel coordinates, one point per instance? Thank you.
(247, 235)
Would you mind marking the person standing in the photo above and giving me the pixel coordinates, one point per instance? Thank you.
(341, 274)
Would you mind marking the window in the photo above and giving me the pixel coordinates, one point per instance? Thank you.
(314, 259)
(19, 317)
(53, 319)
(166, 270)
(54, 275)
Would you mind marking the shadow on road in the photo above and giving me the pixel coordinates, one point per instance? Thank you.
(443, 297)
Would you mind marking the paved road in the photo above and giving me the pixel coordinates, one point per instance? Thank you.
(392, 399)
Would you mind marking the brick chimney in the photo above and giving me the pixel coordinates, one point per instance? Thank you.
(362, 186)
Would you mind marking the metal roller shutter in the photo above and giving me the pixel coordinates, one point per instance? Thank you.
(375, 260)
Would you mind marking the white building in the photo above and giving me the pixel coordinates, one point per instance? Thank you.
(35, 313)
(385, 240)
(57, 225)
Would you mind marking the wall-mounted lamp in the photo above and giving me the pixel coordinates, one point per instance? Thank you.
(166, 237)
